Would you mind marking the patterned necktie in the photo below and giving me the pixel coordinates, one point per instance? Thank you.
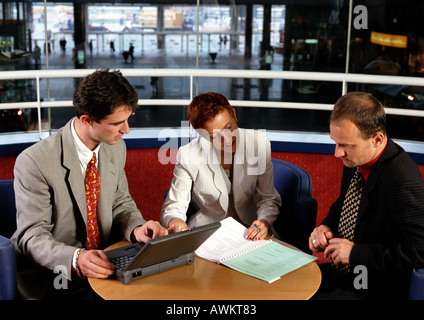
(92, 190)
(349, 215)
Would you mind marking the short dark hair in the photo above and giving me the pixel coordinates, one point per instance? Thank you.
(363, 109)
(205, 107)
(100, 93)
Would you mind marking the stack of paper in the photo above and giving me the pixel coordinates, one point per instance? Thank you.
(264, 259)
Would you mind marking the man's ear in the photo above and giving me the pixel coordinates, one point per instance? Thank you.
(378, 139)
(86, 120)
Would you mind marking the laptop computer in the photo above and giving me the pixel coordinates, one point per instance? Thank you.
(141, 259)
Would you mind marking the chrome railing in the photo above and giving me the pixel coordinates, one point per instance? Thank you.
(193, 74)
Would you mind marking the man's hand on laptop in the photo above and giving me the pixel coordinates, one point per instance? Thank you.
(94, 264)
(150, 230)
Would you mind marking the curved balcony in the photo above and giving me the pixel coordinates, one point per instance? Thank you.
(310, 150)
(299, 140)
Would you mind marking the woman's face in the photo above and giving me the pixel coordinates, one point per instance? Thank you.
(222, 132)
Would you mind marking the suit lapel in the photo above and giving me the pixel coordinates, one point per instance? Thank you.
(375, 173)
(222, 184)
(239, 167)
(75, 178)
(72, 163)
(107, 169)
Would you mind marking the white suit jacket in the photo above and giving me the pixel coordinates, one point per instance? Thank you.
(199, 176)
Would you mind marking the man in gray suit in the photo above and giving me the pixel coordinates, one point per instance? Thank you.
(50, 192)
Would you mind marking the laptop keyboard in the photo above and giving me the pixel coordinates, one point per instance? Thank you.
(121, 262)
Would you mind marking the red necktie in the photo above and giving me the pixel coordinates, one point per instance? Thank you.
(92, 190)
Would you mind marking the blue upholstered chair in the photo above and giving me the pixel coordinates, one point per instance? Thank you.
(416, 288)
(298, 212)
(7, 208)
(8, 276)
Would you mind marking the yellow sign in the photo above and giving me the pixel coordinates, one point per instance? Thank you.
(389, 40)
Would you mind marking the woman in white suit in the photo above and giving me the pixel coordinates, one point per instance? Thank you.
(225, 172)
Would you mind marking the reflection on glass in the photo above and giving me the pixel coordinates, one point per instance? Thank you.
(292, 37)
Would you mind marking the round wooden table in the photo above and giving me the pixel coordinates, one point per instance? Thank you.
(205, 280)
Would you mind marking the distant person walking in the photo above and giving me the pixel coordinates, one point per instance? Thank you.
(131, 51)
(36, 56)
(112, 47)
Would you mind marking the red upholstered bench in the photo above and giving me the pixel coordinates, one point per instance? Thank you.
(148, 178)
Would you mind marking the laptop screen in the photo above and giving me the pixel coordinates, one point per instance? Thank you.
(172, 246)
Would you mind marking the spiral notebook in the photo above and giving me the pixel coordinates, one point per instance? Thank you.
(267, 260)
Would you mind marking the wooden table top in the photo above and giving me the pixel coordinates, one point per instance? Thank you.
(205, 280)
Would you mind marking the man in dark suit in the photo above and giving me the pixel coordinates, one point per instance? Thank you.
(375, 260)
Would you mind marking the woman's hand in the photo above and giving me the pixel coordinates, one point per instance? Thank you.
(258, 230)
(176, 225)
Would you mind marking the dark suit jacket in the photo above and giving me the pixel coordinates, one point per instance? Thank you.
(389, 235)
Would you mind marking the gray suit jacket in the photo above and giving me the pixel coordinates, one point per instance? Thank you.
(51, 209)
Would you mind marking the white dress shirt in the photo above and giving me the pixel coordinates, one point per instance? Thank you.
(84, 156)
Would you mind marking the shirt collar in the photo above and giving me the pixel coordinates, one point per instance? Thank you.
(366, 168)
(84, 153)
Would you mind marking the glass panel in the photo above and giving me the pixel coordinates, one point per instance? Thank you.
(283, 119)
(398, 97)
(156, 116)
(294, 37)
(12, 120)
(12, 91)
(59, 116)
